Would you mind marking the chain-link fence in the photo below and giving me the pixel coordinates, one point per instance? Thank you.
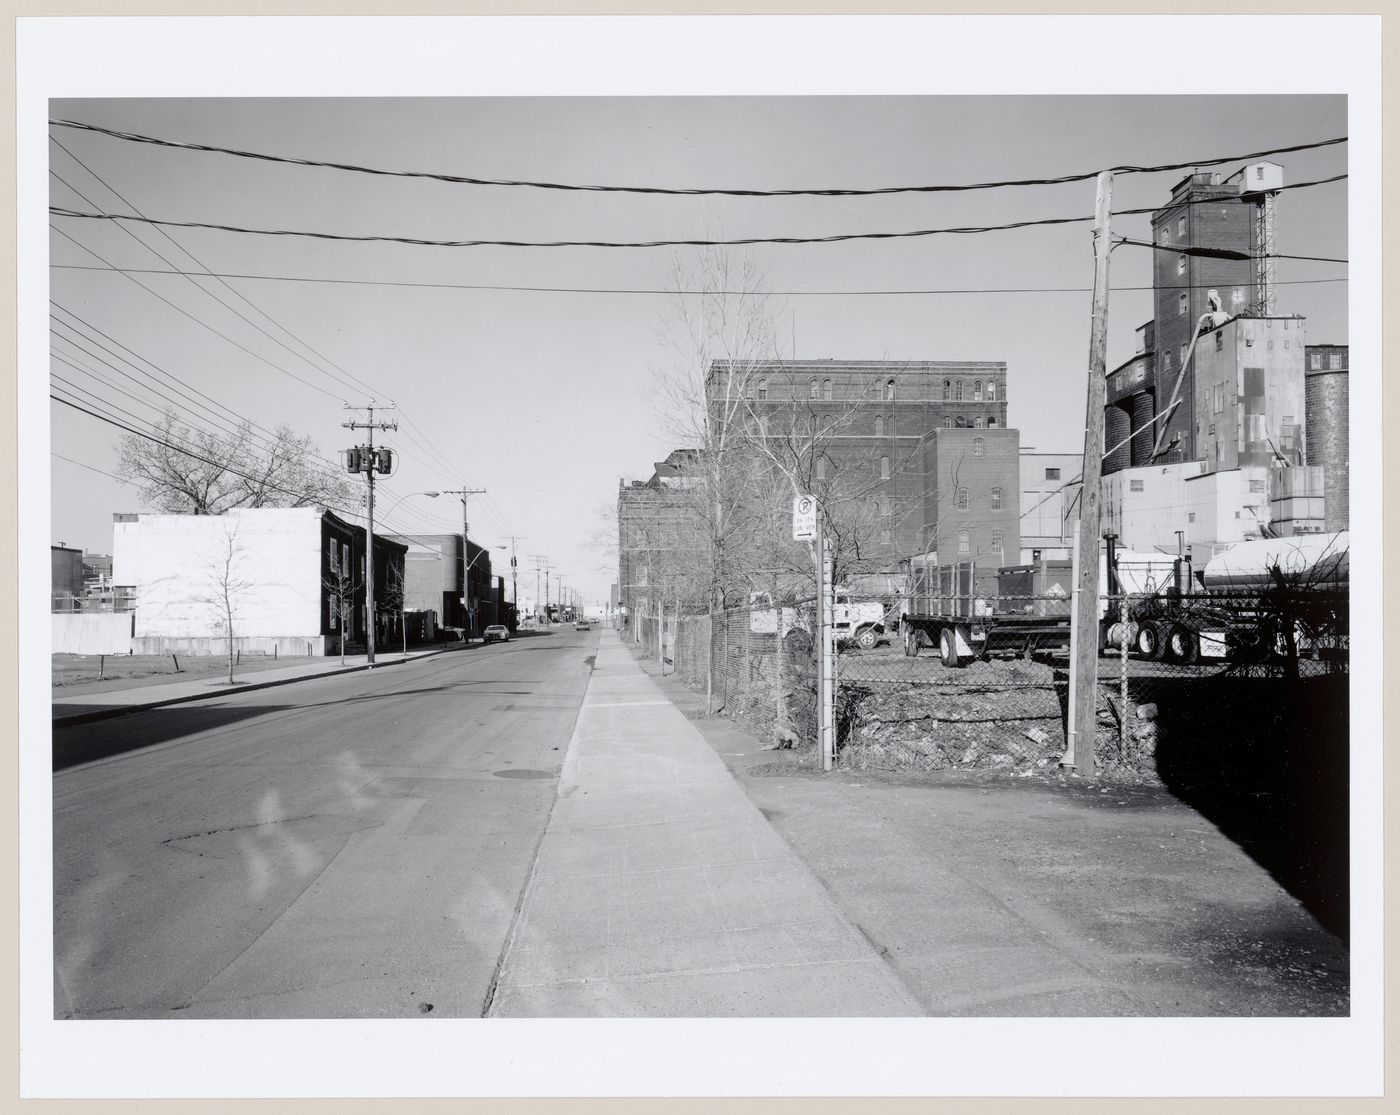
(982, 682)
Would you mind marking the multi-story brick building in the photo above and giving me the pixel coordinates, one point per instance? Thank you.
(861, 425)
(659, 533)
(1328, 398)
(972, 509)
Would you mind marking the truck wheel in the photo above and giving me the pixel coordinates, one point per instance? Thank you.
(1148, 642)
(911, 642)
(865, 638)
(1183, 646)
(948, 648)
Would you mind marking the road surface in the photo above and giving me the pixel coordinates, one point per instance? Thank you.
(349, 847)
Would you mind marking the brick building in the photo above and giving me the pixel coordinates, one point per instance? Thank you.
(659, 534)
(972, 509)
(1328, 399)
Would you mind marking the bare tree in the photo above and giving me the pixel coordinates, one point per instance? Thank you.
(228, 583)
(203, 472)
(342, 586)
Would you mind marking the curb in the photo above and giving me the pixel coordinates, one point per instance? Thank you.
(124, 710)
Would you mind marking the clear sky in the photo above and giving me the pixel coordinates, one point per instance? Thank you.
(539, 397)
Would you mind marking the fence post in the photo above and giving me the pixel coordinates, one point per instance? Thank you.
(1123, 675)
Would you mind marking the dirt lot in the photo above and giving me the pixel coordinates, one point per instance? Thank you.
(91, 673)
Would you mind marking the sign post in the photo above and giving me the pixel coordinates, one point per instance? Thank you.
(807, 527)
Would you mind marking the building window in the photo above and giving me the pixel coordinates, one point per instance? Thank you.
(1052, 474)
(958, 391)
(1181, 302)
(879, 425)
(1166, 361)
(960, 502)
(1334, 362)
(947, 422)
(976, 390)
(1181, 225)
(996, 499)
(332, 555)
(884, 468)
(1181, 265)
(763, 389)
(1184, 350)
(1315, 361)
(1256, 486)
(821, 468)
(331, 611)
(1191, 517)
(1219, 340)
(979, 445)
(964, 542)
(889, 389)
(977, 422)
(991, 391)
(996, 540)
(991, 423)
(826, 389)
(1237, 296)
(947, 390)
(1134, 485)
(763, 426)
(1285, 344)
(812, 390)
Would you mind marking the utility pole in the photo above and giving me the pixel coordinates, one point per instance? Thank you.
(1084, 635)
(466, 565)
(365, 458)
(514, 592)
(541, 563)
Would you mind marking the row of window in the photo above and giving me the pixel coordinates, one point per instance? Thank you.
(1334, 361)
(953, 390)
(965, 541)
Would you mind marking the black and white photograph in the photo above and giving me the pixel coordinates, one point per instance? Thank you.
(838, 566)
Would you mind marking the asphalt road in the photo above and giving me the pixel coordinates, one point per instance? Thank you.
(354, 846)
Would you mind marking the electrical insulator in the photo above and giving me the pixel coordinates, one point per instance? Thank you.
(385, 462)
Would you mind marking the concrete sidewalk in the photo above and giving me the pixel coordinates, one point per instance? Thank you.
(660, 890)
(84, 708)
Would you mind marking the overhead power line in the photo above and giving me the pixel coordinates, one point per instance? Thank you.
(834, 238)
(648, 290)
(464, 180)
(1218, 253)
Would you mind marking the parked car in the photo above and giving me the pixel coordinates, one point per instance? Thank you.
(496, 633)
(583, 625)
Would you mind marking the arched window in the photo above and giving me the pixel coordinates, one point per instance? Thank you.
(812, 390)
(964, 542)
(828, 424)
(996, 540)
(884, 468)
(979, 446)
(996, 499)
(991, 423)
(977, 421)
(889, 389)
(826, 389)
(958, 391)
(991, 390)
(948, 422)
(947, 390)
(961, 501)
(821, 468)
(976, 390)
(763, 389)
(879, 425)
(960, 422)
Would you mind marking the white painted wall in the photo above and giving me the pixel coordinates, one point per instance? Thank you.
(90, 633)
(1148, 520)
(173, 560)
(1222, 509)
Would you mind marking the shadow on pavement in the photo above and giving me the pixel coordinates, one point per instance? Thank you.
(1266, 762)
(85, 743)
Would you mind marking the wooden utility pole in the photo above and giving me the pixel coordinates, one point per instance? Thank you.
(1085, 636)
(369, 460)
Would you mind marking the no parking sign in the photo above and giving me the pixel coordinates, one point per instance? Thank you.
(804, 518)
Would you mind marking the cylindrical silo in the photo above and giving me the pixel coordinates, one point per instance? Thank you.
(1143, 407)
(1115, 430)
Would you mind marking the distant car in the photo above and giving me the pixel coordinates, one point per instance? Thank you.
(583, 625)
(496, 633)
